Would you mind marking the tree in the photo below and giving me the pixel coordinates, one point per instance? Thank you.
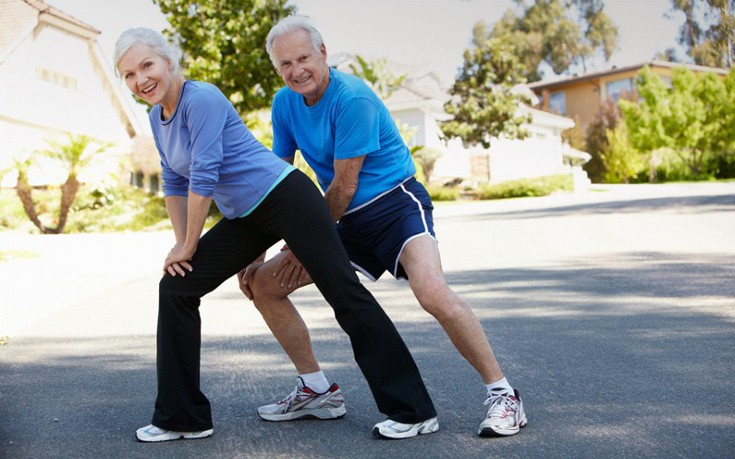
(558, 33)
(426, 157)
(707, 33)
(622, 160)
(74, 156)
(224, 44)
(484, 103)
(693, 117)
(376, 73)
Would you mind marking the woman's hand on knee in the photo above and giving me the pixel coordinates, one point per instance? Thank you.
(245, 279)
(289, 272)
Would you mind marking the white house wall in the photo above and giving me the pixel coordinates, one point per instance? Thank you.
(49, 86)
(536, 156)
(414, 119)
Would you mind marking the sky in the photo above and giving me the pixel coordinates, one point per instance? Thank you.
(432, 32)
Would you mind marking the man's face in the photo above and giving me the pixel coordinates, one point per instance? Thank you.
(303, 68)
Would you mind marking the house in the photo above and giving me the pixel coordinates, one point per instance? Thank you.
(418, 106)
(54, 81)
(582, 97)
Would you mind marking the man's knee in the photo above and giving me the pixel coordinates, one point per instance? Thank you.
(265, 289)
(439, 300)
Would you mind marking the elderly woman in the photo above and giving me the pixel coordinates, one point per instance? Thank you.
(207, 153)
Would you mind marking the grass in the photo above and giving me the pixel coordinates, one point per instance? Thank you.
(10, 255)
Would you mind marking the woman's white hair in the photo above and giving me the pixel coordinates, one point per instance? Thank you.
(290, 24)
(150, 37)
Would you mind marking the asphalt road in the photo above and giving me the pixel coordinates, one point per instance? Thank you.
(612, 311)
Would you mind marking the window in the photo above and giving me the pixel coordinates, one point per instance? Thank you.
(617, 88)
(54, 77)
(557, 103)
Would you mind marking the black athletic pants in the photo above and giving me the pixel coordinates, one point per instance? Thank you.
(296, 212)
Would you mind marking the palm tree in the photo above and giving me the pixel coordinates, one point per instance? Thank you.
(74, 156)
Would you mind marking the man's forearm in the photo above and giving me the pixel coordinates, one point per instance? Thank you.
(338, 198)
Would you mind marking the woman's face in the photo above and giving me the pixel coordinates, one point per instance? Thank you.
(148, 75)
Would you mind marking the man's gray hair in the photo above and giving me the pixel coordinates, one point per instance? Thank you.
(290, 24)
(150, 37)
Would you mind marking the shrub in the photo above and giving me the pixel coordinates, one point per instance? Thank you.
(97, 209)
(537, 186)
(442, 193)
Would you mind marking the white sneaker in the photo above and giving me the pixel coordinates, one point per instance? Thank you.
(505, 415)
(151, 433)
(303, 402)
(395, 430)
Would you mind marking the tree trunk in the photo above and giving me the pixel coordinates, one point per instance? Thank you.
(25, 194)
(68, 194)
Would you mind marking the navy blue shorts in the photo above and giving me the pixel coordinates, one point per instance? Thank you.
(375, 235)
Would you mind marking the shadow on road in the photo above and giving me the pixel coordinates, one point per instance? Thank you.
(692, 204)
(631, 356)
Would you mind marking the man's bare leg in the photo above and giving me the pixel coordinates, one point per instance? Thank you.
(422, 262)
(281, 316)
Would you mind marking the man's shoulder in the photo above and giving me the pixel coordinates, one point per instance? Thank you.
(351, 84)
(284, 96)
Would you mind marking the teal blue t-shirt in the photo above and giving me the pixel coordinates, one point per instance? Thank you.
(348, 121)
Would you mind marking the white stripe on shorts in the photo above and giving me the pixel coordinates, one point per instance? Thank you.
(423, 220)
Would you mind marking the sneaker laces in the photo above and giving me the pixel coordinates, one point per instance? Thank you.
(296, 394)
(500, 405)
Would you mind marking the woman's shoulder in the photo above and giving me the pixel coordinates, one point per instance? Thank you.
(200, 92)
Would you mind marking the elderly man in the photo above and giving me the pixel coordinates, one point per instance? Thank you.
(347, 136)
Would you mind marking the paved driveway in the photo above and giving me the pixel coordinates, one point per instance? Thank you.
(613, 311)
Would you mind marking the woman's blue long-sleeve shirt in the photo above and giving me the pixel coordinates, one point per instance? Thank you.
(205, 147)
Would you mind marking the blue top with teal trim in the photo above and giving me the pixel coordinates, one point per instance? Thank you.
(205, 147)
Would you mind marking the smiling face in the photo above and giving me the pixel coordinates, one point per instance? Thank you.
(149, 76)
(303, 68)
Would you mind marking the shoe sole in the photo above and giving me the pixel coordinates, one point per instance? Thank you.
(170, 436)
(324, 414)
(490, 432)
(425, 428)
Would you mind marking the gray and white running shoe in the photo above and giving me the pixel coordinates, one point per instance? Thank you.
(505, 415)
(303, 402)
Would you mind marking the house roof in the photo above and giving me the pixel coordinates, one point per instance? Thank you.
(44, 8)
(20, 18)
(615, 70)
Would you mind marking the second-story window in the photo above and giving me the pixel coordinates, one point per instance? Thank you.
(558, 103)
(57, 78)
(617, 88)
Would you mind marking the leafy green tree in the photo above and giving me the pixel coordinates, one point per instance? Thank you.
(691, 117)
(376, 73)
(74, 156)
(224, 44)
(484, 103)
(708, 31)
(558, 33)
(622, 160)
(425, 158)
